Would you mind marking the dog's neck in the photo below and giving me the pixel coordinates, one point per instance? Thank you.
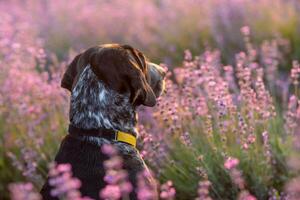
(94, 105)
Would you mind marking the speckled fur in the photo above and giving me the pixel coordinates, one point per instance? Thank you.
(93, 105)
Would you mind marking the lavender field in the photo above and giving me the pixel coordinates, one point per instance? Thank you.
(227, 127)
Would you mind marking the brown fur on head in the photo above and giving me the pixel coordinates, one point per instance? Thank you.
(122, 68)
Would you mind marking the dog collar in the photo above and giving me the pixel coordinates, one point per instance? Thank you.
(109, 134)
(126, 137)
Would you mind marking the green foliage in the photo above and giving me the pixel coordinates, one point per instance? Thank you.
(207, 153)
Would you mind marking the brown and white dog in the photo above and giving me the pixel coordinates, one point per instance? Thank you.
(107, 84)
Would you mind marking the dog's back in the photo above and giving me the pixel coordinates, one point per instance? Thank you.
(87, 161)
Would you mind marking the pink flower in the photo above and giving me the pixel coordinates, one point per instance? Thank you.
(108, 150)
(146, 186)
(23, 191)
(167, 191)
(64, 168)
(116, 178)
(64, 185)
(245, 195)
(251, 139)
(145, 194)
(126, 187)
(111, 192)
(245, 30)
(231, 163)
(203, 190)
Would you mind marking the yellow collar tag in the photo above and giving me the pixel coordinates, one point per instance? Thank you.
(126, 137)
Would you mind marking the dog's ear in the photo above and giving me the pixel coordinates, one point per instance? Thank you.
(122, 72)
(70, 74)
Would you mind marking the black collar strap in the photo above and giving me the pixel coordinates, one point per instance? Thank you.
(108, 134)
(102, 132)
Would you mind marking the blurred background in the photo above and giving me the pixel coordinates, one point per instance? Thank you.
(160, 28)
(38, 38)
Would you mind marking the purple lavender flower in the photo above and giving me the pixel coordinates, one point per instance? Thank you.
(23, 191)
(116, 178)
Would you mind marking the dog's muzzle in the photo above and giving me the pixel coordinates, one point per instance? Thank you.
(108, 134)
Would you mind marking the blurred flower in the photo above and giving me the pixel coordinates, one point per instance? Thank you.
(109, 150)
(116, 178)
(235, 174)
(295, 73)
(167, 191)
(203, 190)
(293, 188)
(231, 163)
(111, 192)
(23, 191)
(245, 30)
(63, 184)
(267, 148)
(146, 186)
(245, 195)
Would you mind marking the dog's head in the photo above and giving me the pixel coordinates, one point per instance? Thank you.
(122, 68)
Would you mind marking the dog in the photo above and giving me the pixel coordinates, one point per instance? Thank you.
(107, 84)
